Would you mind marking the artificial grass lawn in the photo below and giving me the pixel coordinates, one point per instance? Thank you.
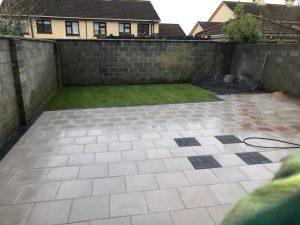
(126, 95)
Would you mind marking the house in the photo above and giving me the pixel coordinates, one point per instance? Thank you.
(271, 31)
(167, 30)
(286, 13)
(201, 26)
(88, 19)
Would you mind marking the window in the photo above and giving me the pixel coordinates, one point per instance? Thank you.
(72, 27)
(125, 29)
(44, 26)
(143, 29)
(24, 26)
(99, 28)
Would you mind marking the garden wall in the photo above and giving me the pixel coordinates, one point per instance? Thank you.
(86, 62)
(28, 77)
(282, 66)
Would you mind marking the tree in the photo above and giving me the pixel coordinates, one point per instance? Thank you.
(13, 12)
(244, 28)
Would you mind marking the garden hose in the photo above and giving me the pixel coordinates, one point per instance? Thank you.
(294, 145)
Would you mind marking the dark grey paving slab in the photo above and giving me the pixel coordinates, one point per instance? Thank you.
(204, 162)
(252, 158)
(228, 139)
(187, 142)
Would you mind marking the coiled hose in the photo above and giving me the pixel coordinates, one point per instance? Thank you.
(294, 145)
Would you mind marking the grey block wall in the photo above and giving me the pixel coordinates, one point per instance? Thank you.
(37, 72)
(28, 77)
(9, 113)
(282, 67)
(97, 62)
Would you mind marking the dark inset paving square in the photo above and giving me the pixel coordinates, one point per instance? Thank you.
(204, 162)
(187, 142)
(252, 158)
(228, 139)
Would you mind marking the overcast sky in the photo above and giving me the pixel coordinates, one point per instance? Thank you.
(188, 12)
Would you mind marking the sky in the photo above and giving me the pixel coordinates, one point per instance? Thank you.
(188, 12)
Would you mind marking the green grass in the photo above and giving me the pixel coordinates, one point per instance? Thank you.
(127, 95)
(277, 203)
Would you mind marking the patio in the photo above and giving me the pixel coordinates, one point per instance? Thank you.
(125, 166)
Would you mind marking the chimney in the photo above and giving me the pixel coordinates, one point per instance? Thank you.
(259, 2)
(290, 3)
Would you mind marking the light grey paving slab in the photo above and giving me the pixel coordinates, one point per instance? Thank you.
(85, 140)
(6, 176)
(96, 148)
(71, 149)
(229, 160)
(79, 223)
(218, 212)
(107, 138)
(273, 167)
(23, 163)
(198, 196)
(63, 173)
(75, 189)
(95, 132)
(110, 185)
(39, 192)
(81, 159)
(127, 204)
(134, 155)
(230, 174)
(119, 146)
(144, 182)
(172, 180)
(257, 172)
(48, 213)
(151, 166)
(170, 134)
(183, 152)
(152, 219)
(150, 135)
(108, 157)
(276, 156)
(93, 208)
(159, 153)
(53, 161)
(112, 221)
(178, 164)
(228, 193)
(15, 214)
(9, 194)
(163, 200)
(122, 168)
(143, 144)
(252, 185)
(165, 143)
(30, 176)
(206, 150)
(201, 177)
(129, 137)
(76, 133)
(192, 217)
(93, 171)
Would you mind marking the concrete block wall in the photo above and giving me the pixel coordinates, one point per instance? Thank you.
(97, 62)
(9, 112)
(28, 77)
(281, 71)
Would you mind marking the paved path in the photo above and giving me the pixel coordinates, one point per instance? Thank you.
(122, 166)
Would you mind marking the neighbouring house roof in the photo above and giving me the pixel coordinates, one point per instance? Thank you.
(170, 30)
(207, 25)
(99, 9)
(268, 28)
(274, 12)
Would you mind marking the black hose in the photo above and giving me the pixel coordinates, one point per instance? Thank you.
(270, 139)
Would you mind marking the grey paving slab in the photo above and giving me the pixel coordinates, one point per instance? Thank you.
(48, 213)
(127, 204)
(90, 208)
(123, 166)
